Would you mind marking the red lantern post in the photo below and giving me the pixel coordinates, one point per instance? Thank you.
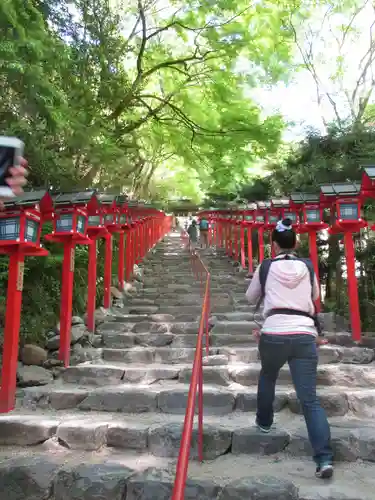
(345, 200)
(249, 223)
(70, 229)
(20, 229)
(95, 230)
(260, 224)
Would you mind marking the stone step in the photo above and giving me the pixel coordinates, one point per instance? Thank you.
(78, 475)
(149, 355)
(226, 355)
(99, 374)
(171, 397)
(327, 354)
(345, 375)
(160, 435)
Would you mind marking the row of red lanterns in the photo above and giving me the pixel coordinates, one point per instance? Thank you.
(306, 211)
(77, 219)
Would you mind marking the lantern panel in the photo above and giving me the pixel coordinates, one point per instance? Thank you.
(249, 217)
(349, 211)
(32, 230)
(109, 218)
(81, 221)
(10, 229)
(313, 215)
(292, 216)
(273, 219)
(94, 220)
(259, 218)
(123, 219)
(64, 224)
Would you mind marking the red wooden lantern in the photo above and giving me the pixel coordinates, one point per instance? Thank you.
(70, 229)
(311, 221)
(260, 223)
(20, 229)
(345, 200)
(368, 182)
(368, 185)
(284, 209)
(248, 223)
(111, 214)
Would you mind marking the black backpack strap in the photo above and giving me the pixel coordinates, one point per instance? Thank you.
(311, 269)
(263, 273)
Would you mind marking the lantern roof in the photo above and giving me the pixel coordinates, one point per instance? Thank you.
(107, 198)
(74, 198)
(280, 203)
(341, 189)
(300, 198)
(370, 171)
(263, 205)
(121, 199)
(41, 197)
(368, 181)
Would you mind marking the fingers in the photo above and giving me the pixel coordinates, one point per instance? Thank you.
(18, 171)
(18, 177)
(24, 163)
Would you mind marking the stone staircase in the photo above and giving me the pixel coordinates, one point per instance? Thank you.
(111, 429)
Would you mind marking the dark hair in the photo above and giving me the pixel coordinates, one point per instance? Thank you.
(286, 239)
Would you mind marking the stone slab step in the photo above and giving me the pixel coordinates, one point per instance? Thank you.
(168, 398)
(150, 326)
(352, 440)
(235, 327)
(77, 475)
(171, 397)
(112, 373)
(344, 375)
(223, 356)
(125, 340)
(327, 354)
(149, 355)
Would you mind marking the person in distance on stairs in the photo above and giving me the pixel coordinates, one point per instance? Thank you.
(289, 333)
(193, 234)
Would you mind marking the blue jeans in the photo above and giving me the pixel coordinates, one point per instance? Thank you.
(300, 352)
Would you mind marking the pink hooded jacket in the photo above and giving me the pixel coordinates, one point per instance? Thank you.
(288, 285)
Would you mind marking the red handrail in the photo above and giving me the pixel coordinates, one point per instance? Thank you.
(199, 270)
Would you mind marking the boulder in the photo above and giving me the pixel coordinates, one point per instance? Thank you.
(28, 478)
(215, 401)
(77, 320)
(100, 316)
(28, 376)
(124, 399)
(164, 441)
(82, 435)
(127, 436)
(53, 343)
(77, 332)
(250, 440)
(100, 481)
(215, 360)
(157, 484)
(19, 430)
(259, 488)
(33, 355)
